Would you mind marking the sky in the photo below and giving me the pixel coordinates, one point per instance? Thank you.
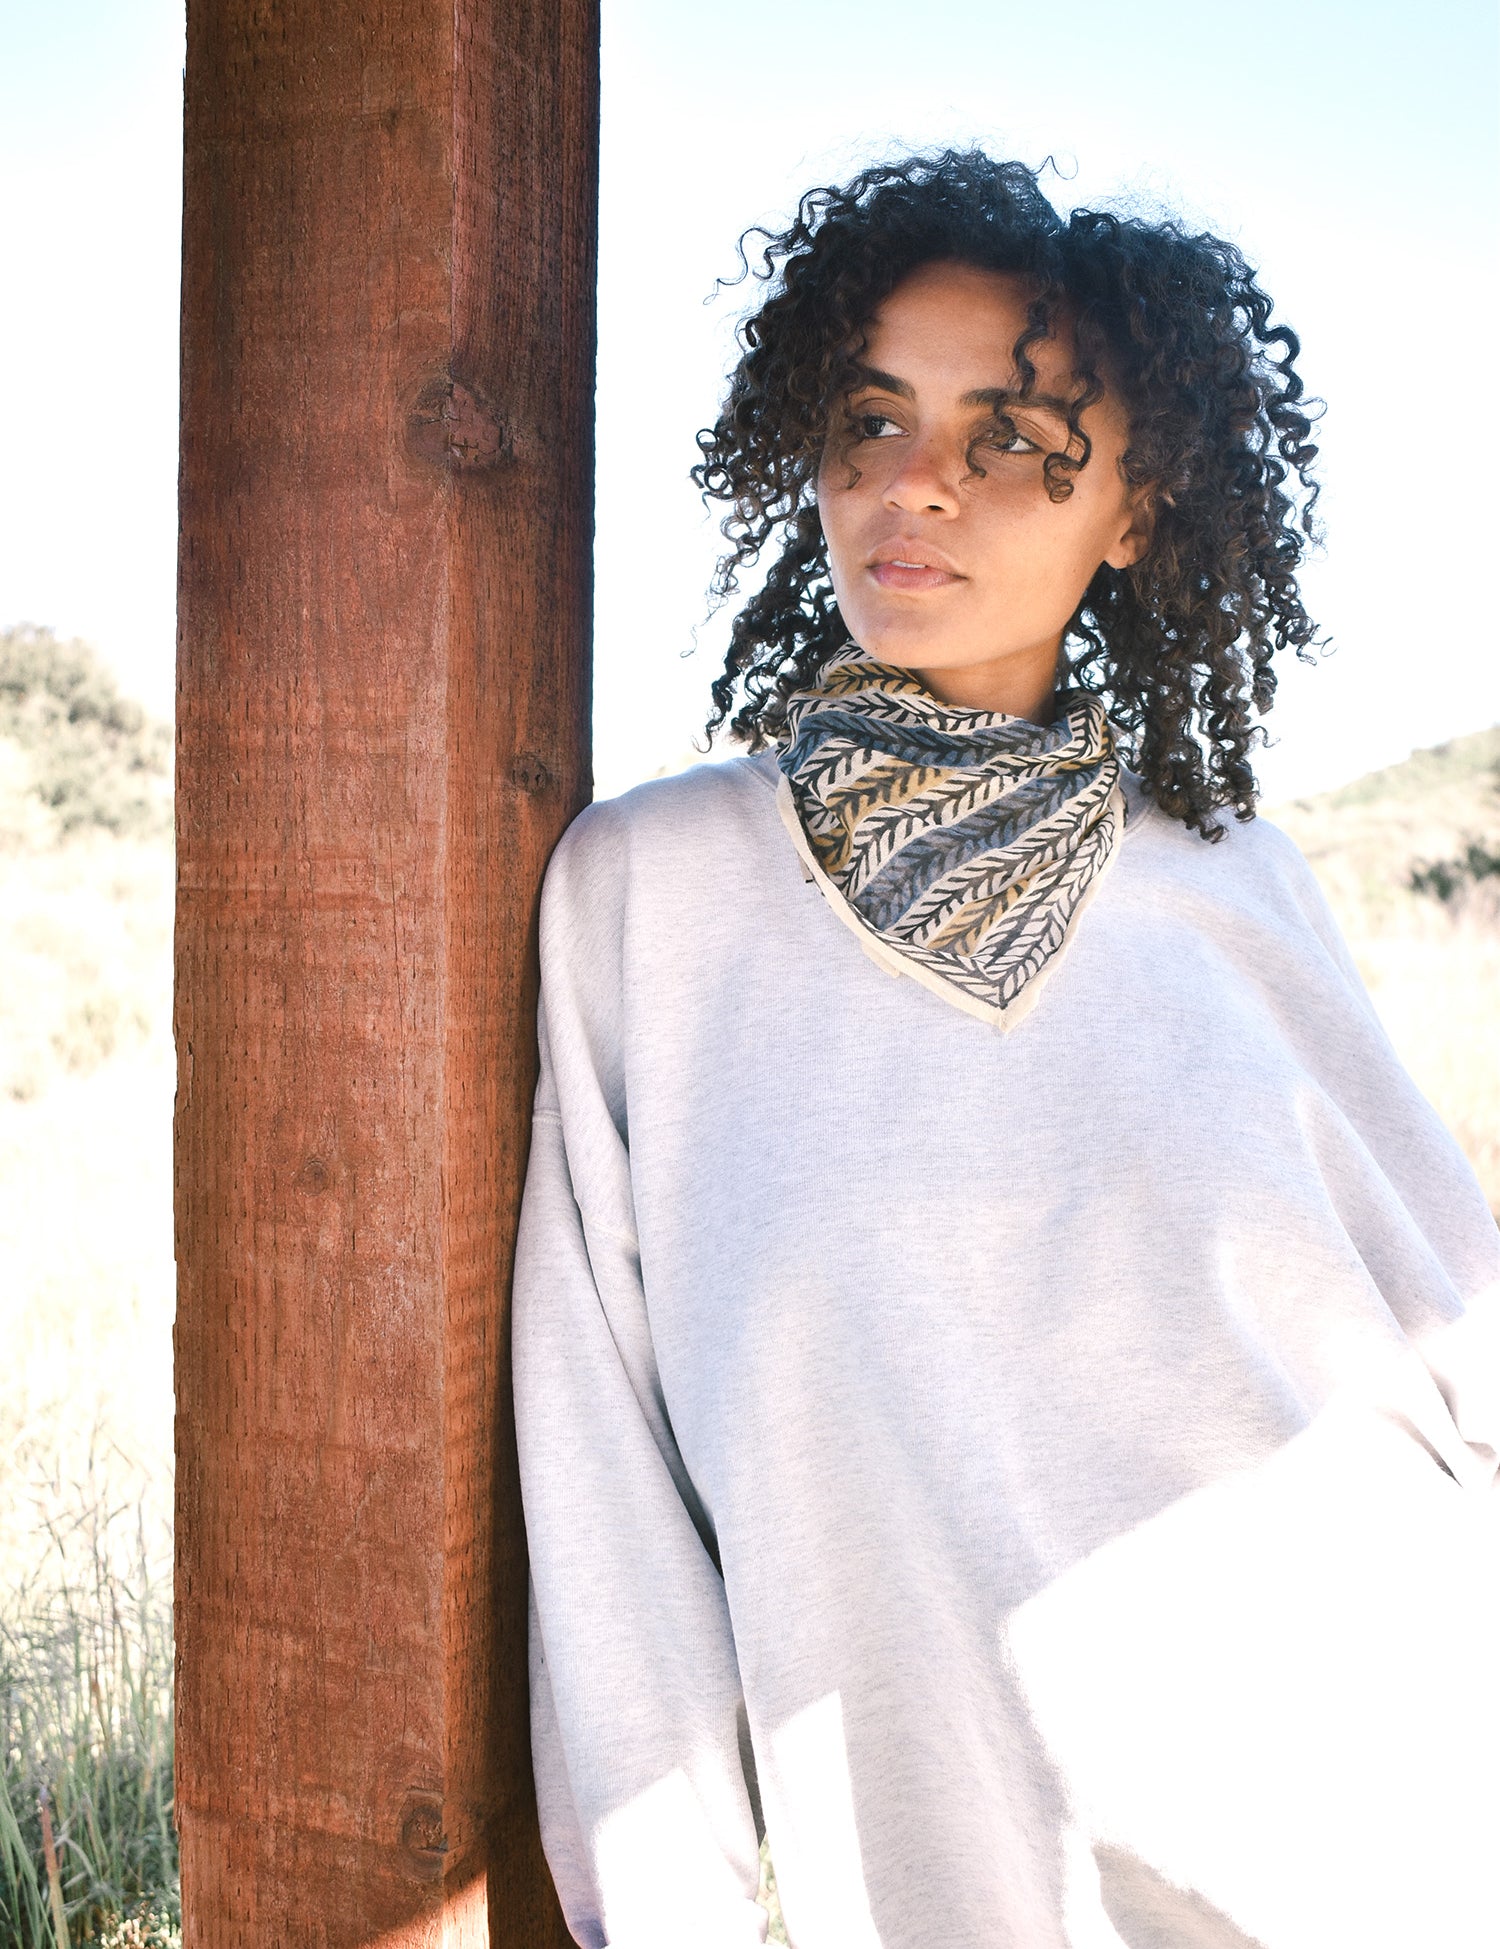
(1351, 151)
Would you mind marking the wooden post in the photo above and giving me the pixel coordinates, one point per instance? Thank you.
(388, 290)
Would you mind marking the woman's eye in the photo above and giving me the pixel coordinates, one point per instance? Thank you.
(875, 426)
(1004, 438)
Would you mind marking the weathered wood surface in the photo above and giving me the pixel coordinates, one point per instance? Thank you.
(383, 684)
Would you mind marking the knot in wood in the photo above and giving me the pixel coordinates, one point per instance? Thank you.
(312, 1176)
(424, 1846)
(452, 426)
(530, 772)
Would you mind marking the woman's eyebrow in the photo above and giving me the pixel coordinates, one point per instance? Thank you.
(1001, 398)
(886, 382)
(997, 398)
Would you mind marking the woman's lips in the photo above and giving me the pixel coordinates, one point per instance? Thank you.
(911, 575)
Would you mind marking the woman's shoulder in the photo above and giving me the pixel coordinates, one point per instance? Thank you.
(1252, 872)
(667, 830)
(1246, 849)
(683, 802)
(673, 876)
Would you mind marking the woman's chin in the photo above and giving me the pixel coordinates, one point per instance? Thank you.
(929, 651)
(910, 649)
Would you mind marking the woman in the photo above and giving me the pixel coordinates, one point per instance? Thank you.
(1009, 1433)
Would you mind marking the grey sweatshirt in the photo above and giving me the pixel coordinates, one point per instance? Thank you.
(1044, 1479)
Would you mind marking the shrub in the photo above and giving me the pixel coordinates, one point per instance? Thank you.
(90, 757)
(1448, 879)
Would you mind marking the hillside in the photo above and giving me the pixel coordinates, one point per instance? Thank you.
(1363, 839)
(1432, 965)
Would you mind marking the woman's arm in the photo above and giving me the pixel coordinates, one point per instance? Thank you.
(638, 1725)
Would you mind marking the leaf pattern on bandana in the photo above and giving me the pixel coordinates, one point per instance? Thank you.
(965, 840)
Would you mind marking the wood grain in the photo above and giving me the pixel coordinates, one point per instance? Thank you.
(388, 289)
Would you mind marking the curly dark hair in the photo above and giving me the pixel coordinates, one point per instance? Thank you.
(1180, 645)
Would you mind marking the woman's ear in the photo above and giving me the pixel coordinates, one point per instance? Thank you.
(1135, 534)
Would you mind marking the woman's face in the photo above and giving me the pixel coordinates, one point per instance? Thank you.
(969, 578)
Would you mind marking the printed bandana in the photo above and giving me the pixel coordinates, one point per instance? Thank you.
(959, 844)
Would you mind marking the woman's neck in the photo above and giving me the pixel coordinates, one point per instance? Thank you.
(1016, 686)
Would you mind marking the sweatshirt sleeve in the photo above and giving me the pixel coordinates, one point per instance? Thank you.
(638, 1723)
(1448, 1214)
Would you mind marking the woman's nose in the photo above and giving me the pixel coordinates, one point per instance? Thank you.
(925, 480)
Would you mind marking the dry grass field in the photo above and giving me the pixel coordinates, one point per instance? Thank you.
(85, 1088)
(86, 1278)
(85, 1308)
